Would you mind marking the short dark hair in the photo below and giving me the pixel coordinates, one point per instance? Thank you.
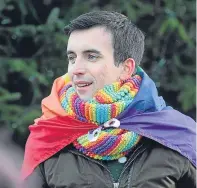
(128, 39)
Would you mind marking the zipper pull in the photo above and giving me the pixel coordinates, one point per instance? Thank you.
(116, 185)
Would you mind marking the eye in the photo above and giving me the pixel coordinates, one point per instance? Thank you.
(71, 59)
(92, 57)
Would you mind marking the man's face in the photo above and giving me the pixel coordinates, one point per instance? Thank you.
(91, 61)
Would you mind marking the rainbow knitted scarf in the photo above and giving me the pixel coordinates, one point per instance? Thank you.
(107, 103)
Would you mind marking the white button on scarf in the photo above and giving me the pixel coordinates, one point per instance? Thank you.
(93, 134)
(112, 123)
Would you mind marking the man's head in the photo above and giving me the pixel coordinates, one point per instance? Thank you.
(103, 47)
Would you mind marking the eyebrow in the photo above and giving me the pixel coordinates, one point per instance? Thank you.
(85, 51)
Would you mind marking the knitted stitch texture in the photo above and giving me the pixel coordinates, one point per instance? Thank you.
(107, 103)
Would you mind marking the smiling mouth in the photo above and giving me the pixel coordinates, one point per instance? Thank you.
(83, 85)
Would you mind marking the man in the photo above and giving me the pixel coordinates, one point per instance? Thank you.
(103, 124)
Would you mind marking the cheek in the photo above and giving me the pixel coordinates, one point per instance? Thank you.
(102, 74)
(106, 75)
(110, 74)
(70, 71)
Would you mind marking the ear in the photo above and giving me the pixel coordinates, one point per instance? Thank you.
(128, 69)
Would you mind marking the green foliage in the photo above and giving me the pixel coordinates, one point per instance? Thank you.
(189, 90)
(33, 48)
(12, 115)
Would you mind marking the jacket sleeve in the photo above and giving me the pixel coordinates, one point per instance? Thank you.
(188, 178)
(36, 179)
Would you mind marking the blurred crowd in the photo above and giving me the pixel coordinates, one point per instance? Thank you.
(11, 157)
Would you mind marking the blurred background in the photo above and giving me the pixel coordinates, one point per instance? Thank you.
(33, 52)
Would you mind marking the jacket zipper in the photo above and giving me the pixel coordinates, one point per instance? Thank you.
(131, 160)
(115, 184)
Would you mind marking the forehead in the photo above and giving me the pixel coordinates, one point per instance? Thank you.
(98, 38)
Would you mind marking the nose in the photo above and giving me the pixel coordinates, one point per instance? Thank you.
(79, 67)
(79, 71)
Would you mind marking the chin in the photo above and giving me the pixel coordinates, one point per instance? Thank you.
(85, 98)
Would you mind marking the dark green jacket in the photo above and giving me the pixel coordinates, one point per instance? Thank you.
(150, 165)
